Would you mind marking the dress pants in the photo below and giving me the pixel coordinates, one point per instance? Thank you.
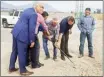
(64, 44)
(18, 49)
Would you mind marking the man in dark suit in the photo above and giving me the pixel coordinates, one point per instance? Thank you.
(23, 35)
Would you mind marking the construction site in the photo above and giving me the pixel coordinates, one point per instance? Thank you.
(83, 66)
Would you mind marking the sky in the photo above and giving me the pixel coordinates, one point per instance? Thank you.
(63, 5)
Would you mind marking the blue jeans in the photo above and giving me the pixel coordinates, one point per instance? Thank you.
(45, 41)
(82, 41)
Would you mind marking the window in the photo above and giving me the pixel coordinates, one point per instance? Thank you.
(21, 13)
(16, 13)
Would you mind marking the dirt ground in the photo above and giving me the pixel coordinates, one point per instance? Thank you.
(84, 66)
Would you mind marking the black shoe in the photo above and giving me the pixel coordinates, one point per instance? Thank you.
(63, 58)
(13, 70)
(41, 64)
(28, 64)
(69, 55)
(54, 58)
(27, 73)
(36, 66)
(91, 56)
(47, 57)
(80, 56)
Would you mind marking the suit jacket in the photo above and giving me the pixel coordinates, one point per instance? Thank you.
(24, 29)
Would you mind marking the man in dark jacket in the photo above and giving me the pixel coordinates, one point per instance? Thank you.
(65, 28)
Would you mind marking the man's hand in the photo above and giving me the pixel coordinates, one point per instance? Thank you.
(32, 44)
(48, 33)
(49, 38)
(57, 44)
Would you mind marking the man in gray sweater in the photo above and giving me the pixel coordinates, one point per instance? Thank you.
(53, 27)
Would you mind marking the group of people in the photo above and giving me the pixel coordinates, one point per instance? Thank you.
(26, 43)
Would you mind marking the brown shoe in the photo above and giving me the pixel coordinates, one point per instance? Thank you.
(27, 73)
(13, 70)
